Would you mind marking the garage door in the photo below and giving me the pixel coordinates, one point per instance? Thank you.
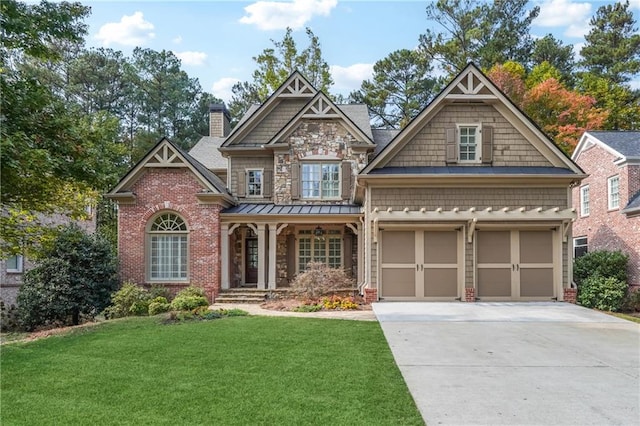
(420, 264)
(515, 265)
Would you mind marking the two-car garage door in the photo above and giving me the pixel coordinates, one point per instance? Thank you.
(429, 264)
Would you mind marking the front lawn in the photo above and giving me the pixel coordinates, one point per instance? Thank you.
(231, 371)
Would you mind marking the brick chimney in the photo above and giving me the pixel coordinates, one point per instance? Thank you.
(219, 119)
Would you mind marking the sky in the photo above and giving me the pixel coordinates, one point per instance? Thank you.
(217, 40)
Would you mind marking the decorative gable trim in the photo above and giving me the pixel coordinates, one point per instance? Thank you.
(296, 86)
(321, 107)
(472, 85)
(166, 155)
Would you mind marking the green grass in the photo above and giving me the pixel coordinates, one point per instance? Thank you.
(625, 316)
(231, 371)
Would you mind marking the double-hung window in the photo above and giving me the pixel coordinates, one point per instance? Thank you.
(468, 143)
(254, 183)
(320, 180)
(580, 246)
(325, 248)
(613, 185)
(168, 248)
(584, 200)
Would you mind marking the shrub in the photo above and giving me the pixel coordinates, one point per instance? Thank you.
(233, 312)
(601, 262)
(159, 305)
(604, 293)
(192, 291)
(308, 308)
(75, 279)
(320, 280)
(632, 301)
(9, 318)
(158, 290)
(131, 299)
(188, 303)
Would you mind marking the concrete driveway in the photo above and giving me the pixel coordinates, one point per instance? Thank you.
(515, 363)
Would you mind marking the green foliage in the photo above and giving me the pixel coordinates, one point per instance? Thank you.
(131, 299)
(608, 264)
(159, 305)
(188, 303)
(308, 307)
(552, 51)
(632, 301)
(604, 293)
(75, 279)
(9, 317)
(191, 291)
(204, 313)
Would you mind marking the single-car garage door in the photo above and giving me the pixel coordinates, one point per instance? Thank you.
(515, 264)
(421, 264)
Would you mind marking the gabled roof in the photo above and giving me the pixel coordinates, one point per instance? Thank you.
(321, 107)
(165, 154)
(296, 86)
(206, 152)
(472, 85)
(624, 145)
(633, 207)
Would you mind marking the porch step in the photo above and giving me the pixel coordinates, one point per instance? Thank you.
(241, 295)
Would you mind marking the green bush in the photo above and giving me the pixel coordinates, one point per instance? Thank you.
(74, 280)
(9, 318)
(632, 301)
(192, 291)
(131, 299)
(159, 305)
(601, 262)
(158, 290)
(604, 293)
(188, 303)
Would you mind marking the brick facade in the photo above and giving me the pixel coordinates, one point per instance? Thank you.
(170, 190)
(609, 229)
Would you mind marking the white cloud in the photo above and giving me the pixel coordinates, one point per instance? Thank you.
(272, 15)
(222, 88)
(192, 58)
(560, 13)
(132, 30)
(577, 30)
(577, 48)
(177, 40)
(347, 79)
(634, 84)
(634, 4)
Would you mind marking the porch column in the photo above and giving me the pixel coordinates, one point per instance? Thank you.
(261, 255)
(272, 255)
(360, 266)
(224, 255)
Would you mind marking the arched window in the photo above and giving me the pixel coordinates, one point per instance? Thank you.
(168, 248)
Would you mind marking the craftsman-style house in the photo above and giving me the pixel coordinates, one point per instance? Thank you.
(470, 201)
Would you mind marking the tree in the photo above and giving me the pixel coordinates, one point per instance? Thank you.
(401, 87)
(542, 72)
(552, 51)
(275, 65)
(474, 31)
(75, 279)
(622, 105)
(563, 114)
(509, 78)
(612, 48)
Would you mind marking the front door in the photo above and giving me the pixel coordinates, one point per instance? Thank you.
(251, 261)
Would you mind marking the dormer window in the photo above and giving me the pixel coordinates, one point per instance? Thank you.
(254, 183)
(469, 143)
(321, 180)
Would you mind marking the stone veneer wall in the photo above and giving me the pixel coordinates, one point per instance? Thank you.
(170, 190)
(314, 138)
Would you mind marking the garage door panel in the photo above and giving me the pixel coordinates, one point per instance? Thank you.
(536, 247)
(398, 282)
(398, 247)
(441, 282)
(494, 282)
(440, 247)
(536, 282)
(494, 247)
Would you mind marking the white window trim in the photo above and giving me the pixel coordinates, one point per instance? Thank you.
(321, 163)
(575, 240)
(148, 237)
(326, 229)
(478, 127)
(20, 265)
(585, 208)
(261, 183)
(609, 193)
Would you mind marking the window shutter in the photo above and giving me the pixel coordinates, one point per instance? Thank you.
(346, 180)
(451, 146)
(291, 256)
(487, 144)
(267, 184)
(348, 253)
(241, 183)
(295, 181)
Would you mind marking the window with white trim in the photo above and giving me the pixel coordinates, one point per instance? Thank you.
(320, 180)
(168, 256)
(580, 246)
(584, 200)
(613, 185)
(324, 248)
(14, 264)
(469, 143)
(254, 183)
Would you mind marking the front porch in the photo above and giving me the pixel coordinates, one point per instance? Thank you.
(264, 246)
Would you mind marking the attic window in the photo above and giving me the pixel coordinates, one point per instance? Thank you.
(468, 142)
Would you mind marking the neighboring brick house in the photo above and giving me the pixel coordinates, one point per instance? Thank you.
(469, 201)
(608, 200)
